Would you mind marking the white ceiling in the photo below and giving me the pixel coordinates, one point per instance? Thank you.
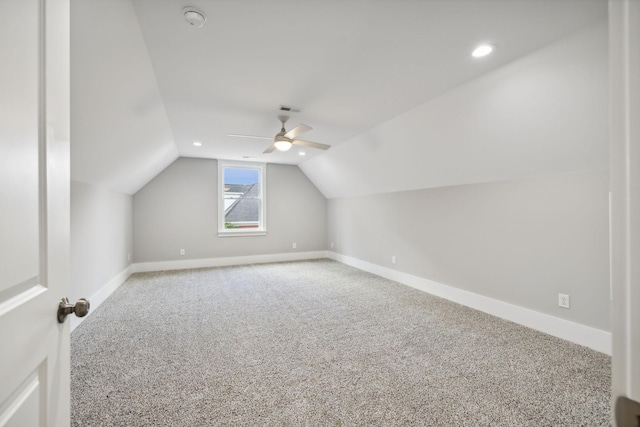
(145, 85)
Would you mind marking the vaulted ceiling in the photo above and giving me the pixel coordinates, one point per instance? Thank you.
(146, 85)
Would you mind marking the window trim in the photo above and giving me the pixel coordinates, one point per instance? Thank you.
(262, 227)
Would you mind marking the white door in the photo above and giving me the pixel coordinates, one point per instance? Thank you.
(624, 54)
(34, 212)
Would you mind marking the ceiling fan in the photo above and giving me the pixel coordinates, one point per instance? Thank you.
(284, 140)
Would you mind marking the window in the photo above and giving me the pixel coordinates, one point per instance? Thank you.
(241, 199)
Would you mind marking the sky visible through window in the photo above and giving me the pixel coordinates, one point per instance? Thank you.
(240, 176)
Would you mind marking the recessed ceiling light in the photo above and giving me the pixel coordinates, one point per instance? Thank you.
(302, 153)
(483, 50)
(197, 143)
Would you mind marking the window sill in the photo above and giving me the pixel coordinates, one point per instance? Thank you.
(238, 233)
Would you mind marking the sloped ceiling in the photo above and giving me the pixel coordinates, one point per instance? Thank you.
(545, 113)
(146, 85)
(120, 134)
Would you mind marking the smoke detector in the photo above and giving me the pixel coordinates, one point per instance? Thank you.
(194, 17)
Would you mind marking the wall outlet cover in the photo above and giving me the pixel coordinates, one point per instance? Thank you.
(563, 300)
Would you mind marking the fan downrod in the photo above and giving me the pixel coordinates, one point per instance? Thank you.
(283, 119)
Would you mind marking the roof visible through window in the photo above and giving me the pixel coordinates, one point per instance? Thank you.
(242, 198)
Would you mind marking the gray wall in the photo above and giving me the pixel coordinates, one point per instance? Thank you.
(101, 237)
(178, 210)
(520, 241)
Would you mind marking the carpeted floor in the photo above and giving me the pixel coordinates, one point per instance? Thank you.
(318, 343)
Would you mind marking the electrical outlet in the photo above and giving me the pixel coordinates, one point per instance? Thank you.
(393, 259)
(295, 245)
(181, 251)
(563, 300)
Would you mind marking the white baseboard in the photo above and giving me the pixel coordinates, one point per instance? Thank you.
(102, 294)
(587, 336)
(226, 261)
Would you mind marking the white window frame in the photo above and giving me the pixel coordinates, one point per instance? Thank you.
(262, 225)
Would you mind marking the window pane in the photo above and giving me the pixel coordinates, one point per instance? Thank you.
(242, 202)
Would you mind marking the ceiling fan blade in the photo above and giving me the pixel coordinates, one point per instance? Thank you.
(301, 128)
(311, 144)
(250, 136)
(270, 149)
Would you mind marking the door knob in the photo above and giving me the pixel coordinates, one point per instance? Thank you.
(80, 308)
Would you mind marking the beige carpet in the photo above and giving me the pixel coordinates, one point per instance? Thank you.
(318, 343)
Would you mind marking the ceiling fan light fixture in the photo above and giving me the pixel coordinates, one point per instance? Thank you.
(282, 144)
